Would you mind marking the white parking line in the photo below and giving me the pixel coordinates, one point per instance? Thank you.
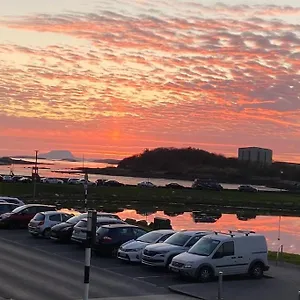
(76, 261)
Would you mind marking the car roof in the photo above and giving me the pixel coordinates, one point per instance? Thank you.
(52, 212)
(8, 198)
(196, 232)
(99, 218)
(38, 205)
(5, 203)
(119, 226)
(163, 231)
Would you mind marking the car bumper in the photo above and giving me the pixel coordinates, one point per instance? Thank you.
(77, 240)
(152, 261)
(129, 256)
(34, 230)
(189, 272)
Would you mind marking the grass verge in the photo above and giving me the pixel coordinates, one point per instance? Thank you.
(286, 257)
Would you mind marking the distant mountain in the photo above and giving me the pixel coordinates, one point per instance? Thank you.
(58, 154)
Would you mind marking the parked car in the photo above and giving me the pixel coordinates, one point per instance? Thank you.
(63, 232)
(100, 182)
(7, 207)
(110, 237)
(112, 183)
(42, 222)
(21, 216)
(146, 184)
(132, 250)
(25, 180)
(247, 188)
(52, 180)
(7, 178)
(12, 200)
(79, 231)
(232, 254)
(73, 181)
(161, 255)
(207, 185)
(82, 181)
(174, 185)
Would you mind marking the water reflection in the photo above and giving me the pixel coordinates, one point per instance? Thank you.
(267, 225)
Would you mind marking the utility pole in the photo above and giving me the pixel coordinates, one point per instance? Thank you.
(35, 174)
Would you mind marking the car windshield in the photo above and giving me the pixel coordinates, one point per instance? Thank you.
(76, 219)
(150, 237)
(178, 239)
(39, 217)
(204, 247)
(18, 209)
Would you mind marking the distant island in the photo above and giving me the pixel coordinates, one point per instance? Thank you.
(191, 163)
(10, 161)
(58, 154)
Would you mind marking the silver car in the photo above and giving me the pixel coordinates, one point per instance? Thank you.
(80, 229)
(42, 222)
(161, 254)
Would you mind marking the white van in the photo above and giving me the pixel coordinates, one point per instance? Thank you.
(233, 253)
(11, 200)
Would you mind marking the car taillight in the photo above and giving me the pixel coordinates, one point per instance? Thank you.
(41, 223)
(106, 238)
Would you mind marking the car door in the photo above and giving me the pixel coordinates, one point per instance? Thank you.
(54, 219)
(224, 259)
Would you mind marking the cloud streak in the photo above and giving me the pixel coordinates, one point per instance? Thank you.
(168, 80)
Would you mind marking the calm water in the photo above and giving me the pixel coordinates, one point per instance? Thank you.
(289, 232)
(50, 168)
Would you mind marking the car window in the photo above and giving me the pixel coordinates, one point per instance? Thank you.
(55, 218)
(178, 239)
(193, 240)
(125, 231)
(227, 249)
(65, 217)
(163, 238)
(32, 210)
(39, 217)
(4, 208)
(138, 232)
(204, 247)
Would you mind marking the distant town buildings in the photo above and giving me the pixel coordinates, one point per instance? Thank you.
(256, 154)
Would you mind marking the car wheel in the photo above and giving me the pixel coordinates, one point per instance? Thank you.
(205, 274)
(46, 233)
(256, 271)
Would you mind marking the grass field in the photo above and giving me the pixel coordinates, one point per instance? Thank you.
(286, 257)
(132, 196)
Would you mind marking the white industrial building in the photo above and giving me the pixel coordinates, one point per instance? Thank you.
(256, 155)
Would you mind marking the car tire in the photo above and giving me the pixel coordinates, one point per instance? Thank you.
(46, 233)
(256, 271)
(205, 274)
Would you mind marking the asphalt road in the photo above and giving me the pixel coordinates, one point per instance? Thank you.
(35, 269)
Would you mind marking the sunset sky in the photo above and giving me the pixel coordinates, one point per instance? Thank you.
(111, 78)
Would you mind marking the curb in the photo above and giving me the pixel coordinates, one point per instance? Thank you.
(172, 289)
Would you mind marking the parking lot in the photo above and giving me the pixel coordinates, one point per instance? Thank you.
(36, 268)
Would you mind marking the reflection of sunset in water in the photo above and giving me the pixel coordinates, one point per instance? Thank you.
(267, 225)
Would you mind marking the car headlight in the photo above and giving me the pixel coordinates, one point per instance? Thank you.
(135, 250)
(188, 265)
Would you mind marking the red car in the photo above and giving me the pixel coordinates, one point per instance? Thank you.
(21, 216)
